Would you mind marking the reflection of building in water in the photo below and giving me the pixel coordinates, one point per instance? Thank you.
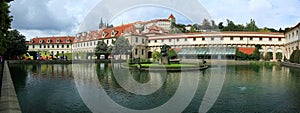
(50, 71)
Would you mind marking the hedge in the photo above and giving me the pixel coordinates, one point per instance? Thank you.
(295, 57)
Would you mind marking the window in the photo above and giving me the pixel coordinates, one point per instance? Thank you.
(194, 39)
(149, 41)
(170, 40)
(57, 52)
(57, 46)
(68, 46)
(142, 51)
(260, 39)
(251, 38)
(155, 41)
(143, 40)
(57, 41)
(106, 41)
(52, 46)
(279, 39)
(212, 39)
(40, 46)
(32, 46)
(41, 41)
(222, 38)
(203, 39)
(270, 39)
(162, 40)
(62, 46)
(48, 46)
(231, 38)
(136, 51)
(241, 38)
(177, 39)
(48, 41)
(136, 39)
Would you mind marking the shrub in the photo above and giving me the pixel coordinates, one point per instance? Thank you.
(295, 57)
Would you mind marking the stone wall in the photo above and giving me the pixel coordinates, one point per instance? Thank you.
(8, 101)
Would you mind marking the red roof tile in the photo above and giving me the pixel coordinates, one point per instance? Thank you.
(52, 40)
(247, 51)
(171, 16)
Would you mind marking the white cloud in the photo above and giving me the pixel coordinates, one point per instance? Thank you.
(49, 17)
(267, 13)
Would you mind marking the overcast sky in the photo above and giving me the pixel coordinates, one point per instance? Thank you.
(62, 17)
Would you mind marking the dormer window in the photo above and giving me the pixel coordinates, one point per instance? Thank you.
(41, 41)
(68, 40)
(31, 41)
(49, 41)
(104, 34)
(113, 33)
(57, 40)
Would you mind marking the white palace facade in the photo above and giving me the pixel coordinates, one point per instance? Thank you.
(146, 37)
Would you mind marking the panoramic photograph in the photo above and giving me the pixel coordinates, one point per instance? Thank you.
(150, 56)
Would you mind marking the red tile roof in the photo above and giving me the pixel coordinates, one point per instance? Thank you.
(247, 51)
(52, 40)
(171, 16)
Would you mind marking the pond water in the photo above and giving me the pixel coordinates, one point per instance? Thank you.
(77, 88)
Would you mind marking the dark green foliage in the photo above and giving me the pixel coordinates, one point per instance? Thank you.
(122, 47)
(241, 55)
(17, 45)
(295, 56)
(5, 20)
(255, 56)
(101, 49)
(172, 54)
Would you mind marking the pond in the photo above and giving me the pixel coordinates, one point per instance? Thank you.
(81, 88)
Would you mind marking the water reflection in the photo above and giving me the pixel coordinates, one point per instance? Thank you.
(253, 88)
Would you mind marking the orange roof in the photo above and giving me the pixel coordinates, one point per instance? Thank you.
(171, 16)
(247, 51)
(52, 40)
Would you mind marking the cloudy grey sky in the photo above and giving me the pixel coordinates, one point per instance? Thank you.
(63, 17)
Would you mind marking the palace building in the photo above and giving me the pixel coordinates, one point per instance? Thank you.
(292, 40)
(54, 45)
(147, 37)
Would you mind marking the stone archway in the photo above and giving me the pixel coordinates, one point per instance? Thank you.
(279, 54)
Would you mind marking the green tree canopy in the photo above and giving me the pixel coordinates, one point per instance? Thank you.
(122, 47)
(101, 49)
(5, 22)
(17, 44)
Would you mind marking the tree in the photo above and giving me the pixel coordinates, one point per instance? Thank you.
(252, 26)
(220, 25)
(213, 24)
(172, 53)
(101, 49)
(256, 53)
(17, 44)
(156, 55)
(122, 47)
(230, 26)
(206, 25)
(5, 22)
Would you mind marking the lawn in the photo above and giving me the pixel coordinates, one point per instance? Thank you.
(166, 66)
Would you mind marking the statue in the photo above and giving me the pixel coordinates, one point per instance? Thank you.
(164, 54)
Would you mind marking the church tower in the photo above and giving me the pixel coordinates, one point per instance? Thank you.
(172, 18)
(101, 24)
